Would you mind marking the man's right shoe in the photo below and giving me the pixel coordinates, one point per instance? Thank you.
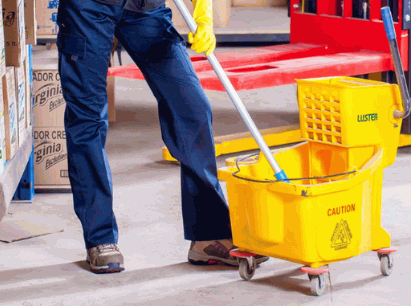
(215, 251)
(105, 258)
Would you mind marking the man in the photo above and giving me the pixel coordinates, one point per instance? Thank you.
(145, 30)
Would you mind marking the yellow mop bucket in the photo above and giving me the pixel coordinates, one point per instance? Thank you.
(330, 210)
(311, 222)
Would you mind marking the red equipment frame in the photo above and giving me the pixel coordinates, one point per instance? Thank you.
(321, 45)
(345, 33)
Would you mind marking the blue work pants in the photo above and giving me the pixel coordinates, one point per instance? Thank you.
(86, 32)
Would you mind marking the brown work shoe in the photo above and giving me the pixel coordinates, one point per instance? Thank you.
(105, 258)
(215, 251)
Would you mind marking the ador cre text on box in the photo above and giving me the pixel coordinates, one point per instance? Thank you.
(48, 102)
(50, 156)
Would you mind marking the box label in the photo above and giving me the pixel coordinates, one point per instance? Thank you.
(11, 115)
(21, 102)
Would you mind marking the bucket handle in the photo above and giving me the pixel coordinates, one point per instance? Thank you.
(238, 160)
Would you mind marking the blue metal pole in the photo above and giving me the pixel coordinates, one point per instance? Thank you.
(399, 70)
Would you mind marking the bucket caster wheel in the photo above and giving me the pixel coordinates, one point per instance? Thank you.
(318, 284)
(317, 278)
(386, 258)
(246, 261)
(247, 267)
(386, 264)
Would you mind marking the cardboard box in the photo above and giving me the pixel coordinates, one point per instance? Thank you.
(14, 32)
(46, 12)
(30, 21)
(10, 113)
(2, 46)
(221, 13)
(48, 102)
(263, 3)
(28, 68)
(19, 74)
(2, 132)
(111, 88)
(50, 156)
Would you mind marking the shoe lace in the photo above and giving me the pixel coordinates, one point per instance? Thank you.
(107, 248)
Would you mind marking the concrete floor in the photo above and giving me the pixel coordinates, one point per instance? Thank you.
(51, 270)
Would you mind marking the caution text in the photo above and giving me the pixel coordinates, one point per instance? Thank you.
(341, 210)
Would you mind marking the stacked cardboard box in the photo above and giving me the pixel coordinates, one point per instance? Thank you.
(3, 111)
(10, 110)
(50, 153)
(20, 87)
(14, 77)
(14, 32)
(259, 3)
(2, 132)
(2, 46)
(46, 12)
(15, 93)
(28, 69)
(30, 21)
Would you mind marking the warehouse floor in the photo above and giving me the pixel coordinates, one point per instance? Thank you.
(51, 269)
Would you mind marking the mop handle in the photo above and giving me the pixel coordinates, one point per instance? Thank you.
(399, 71)
(279, 174)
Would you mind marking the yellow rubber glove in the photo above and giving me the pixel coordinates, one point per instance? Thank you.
(204, 39)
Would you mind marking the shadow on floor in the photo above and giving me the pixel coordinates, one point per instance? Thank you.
(75, 278)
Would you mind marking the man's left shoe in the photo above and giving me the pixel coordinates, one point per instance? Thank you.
(105, 258)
